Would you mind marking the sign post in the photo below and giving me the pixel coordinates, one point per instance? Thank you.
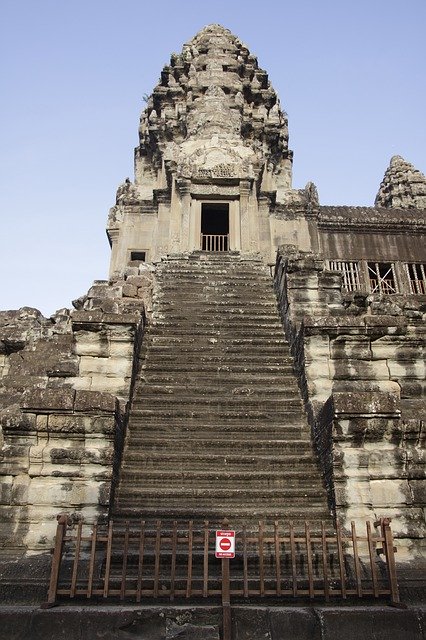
(225, 544)
(225, 549)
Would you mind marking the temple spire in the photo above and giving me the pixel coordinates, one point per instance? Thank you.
(403, 186)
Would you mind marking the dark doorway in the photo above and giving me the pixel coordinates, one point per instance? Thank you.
(215, 226)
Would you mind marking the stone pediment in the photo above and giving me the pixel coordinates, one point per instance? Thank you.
(216, 159)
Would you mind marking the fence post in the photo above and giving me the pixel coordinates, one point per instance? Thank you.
(389, 552)
(226, 600)
(61, 529)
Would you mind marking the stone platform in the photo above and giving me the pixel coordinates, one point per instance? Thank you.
(79, 622)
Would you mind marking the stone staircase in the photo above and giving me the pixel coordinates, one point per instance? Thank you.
(217, 427)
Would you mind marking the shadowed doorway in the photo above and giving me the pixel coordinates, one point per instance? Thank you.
(215, 226)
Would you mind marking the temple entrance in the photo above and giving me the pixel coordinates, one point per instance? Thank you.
(215, 227)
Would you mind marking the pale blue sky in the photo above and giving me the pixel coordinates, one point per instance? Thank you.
(349, 73)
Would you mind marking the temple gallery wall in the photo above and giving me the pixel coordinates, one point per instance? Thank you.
(236, 305)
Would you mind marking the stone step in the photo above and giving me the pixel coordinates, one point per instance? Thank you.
(210, 462)
(235, 520)
(212, 322)
(190, 401)
(216, 366)
(225, 379)
(294, 478)
(262, 304)
(197, 413)
(215, 493)
(220, 330)
(141, 432)
(212, 283)
(220, 445)
(235, 353)
(218, 341)
(196, 389)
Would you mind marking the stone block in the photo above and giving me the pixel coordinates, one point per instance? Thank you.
(412, 388)
(20, 490)
(409, 369)
(390, 492)
(249, 623)
(61, 425)
(112, 367)
(91, 343)
(47, 400)
(140, 281)
(297, 624)
(62, 493)
(369, 402)
(380, 623)
(94, 401)
(81, 318)
(418, 491)
(356, 347)
(130, 291)
(121, 318)
(359, 369)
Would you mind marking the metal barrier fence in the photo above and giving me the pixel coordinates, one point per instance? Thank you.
(175, 560)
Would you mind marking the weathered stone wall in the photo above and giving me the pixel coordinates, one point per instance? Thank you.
(65, 385)
(360, 362)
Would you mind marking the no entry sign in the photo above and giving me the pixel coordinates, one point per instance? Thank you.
(225, 544)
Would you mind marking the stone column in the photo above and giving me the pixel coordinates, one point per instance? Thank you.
(185, 195)
(267, 248)
(244, 215)
(163, 223)
(113, 236)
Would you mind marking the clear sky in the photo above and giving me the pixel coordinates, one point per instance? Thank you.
(349, 73)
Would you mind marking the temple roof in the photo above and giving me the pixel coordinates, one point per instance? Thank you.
(403, 186)
(214, 88)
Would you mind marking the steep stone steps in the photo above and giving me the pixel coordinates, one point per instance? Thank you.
(217, 427)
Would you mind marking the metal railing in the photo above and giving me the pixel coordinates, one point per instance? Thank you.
(171, 560)
(214, 243)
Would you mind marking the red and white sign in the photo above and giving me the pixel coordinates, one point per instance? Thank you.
(225, 544)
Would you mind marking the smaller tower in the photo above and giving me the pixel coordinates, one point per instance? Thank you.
(403, 186)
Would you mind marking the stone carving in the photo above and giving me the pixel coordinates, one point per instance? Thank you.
(127, 193)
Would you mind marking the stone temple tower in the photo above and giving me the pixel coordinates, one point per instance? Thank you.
(212, 161)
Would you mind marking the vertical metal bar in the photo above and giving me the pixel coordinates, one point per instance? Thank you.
(226, 601)
(261, 565)
(245, 565)
(293, 559)
(277, 557)
(206, 560)
(76, 560)
(157, 557)
(341, 561)
(124, 568)
(92, 559)
(356, 560)
(324, 562)
(140, 561)
(190, 544)
(108, 559)
(309, 560)
(61, 528)
(390, 558)
(371, 551)
(173, 564)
